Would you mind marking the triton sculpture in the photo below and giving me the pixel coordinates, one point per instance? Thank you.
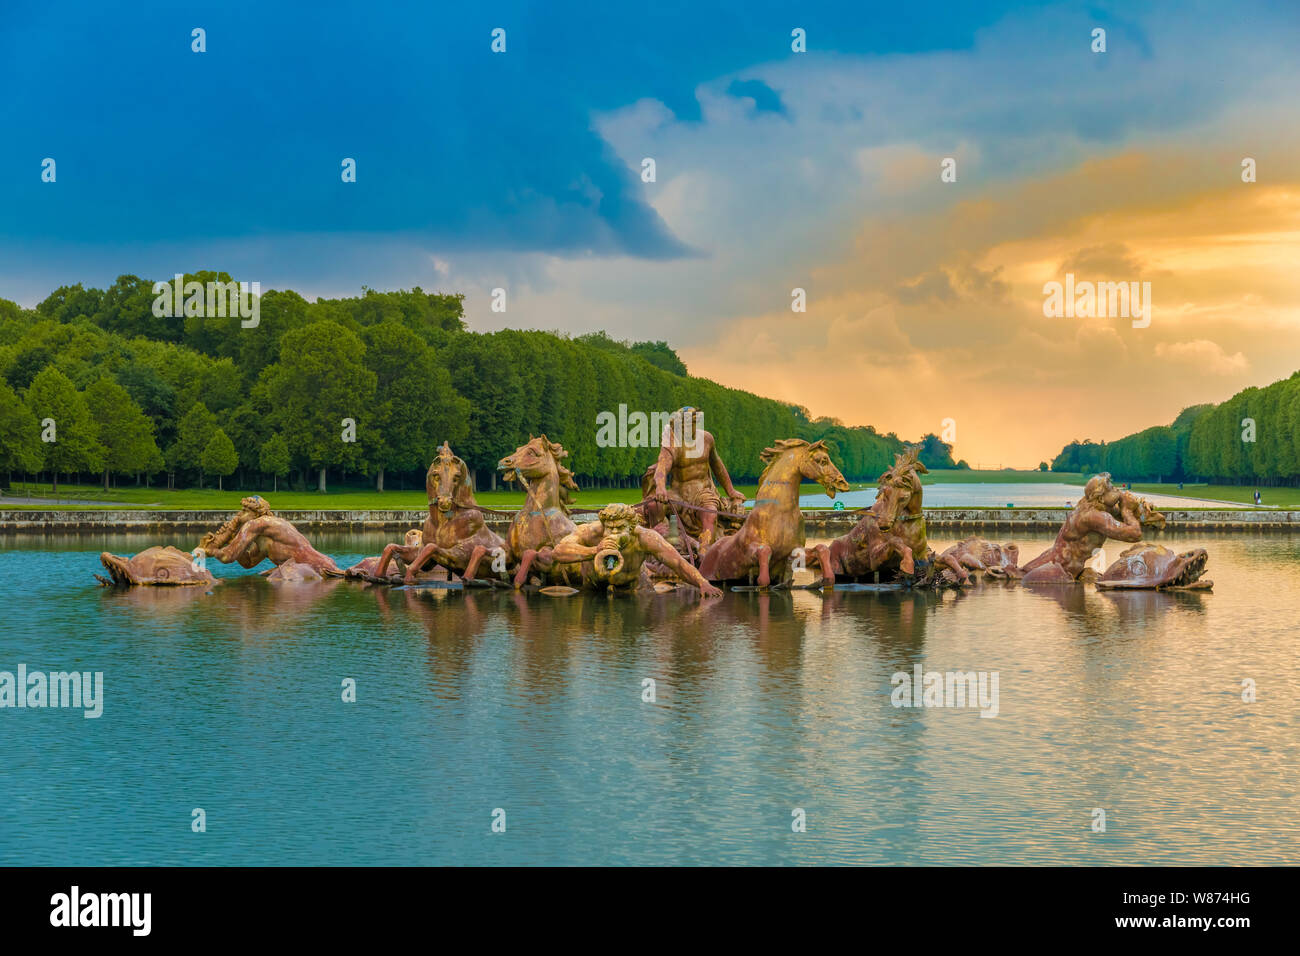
(986, 558)
(256, 534)
(613, 553)
(1103, 512)
(399, 554)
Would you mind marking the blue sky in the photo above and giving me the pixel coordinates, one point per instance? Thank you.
(455, 144)
(775, 170)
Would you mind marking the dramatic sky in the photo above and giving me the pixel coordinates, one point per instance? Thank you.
(775, 170)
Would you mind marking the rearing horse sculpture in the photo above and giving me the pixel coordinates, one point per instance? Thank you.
(544, 519)
(455, 534)
(891, 536)
(774, 528)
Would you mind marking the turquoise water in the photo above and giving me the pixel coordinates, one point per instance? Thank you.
(230, 701)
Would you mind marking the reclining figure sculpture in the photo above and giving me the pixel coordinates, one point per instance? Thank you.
(613, 552)
(256, 533)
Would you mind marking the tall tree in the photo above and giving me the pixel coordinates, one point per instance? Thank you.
(192, 437)
(416, 408)
(65, 419)
(275, 459)
(21, 448)
(125, 430)
(323, 396)
(219, 456)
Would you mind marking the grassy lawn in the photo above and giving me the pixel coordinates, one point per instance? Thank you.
(1287, 498)
(344, 499)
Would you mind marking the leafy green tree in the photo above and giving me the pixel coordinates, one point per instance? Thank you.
(149, 391)
(278, 313)
(126, 308)
(64, 415)
(416, 407)
(319, 382)
(26, 364)
(492, 383)
(219, 456)
(125, 430)
(660, 355)
(192, 437)
(21, 448)
(248, 427)
(936, 453)
(275, 459)
(71, 302)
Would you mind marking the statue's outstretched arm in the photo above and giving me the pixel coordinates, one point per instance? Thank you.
(721, 474)
(663, 466)
(573, 547)
(656, 545)
(243, 538)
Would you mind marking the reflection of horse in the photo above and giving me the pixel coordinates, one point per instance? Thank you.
(455, 534)
(774, 528)
(891, 536)
(544, 519)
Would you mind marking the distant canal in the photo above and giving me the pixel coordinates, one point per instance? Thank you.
(764, 705)
(1000, 494)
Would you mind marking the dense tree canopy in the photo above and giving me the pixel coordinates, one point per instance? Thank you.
(400, 367)
(1253, 437)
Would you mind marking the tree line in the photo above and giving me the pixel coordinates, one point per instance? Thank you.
(365, 388)
(1252, 438)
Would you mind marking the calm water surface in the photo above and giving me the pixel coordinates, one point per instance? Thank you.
(467, 702)
(1000, 494)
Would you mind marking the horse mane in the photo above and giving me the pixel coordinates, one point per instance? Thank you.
(770, 456)
(566, 485)
(907, 460)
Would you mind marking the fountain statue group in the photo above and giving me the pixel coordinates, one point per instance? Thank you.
(683, 533)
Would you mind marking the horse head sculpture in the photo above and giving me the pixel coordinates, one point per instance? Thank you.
(447, 481)
(899, 493)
